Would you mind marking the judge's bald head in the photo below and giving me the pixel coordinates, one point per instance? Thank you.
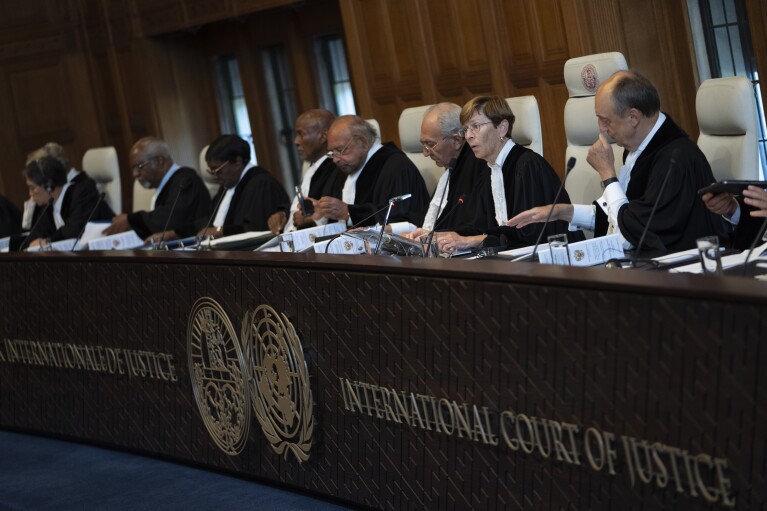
(311, 134)
(349, 139)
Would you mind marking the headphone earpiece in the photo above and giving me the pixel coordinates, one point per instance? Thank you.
(48, 184)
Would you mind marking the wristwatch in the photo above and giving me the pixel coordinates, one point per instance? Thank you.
(607, 182)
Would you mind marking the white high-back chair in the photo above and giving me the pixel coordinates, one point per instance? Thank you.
(728, 128)
(527, 123)
(210, 184)
(142, 197)
(100, 163)
(582, 77)
(410, 138)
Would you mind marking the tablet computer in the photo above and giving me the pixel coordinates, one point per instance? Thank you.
(732, 186)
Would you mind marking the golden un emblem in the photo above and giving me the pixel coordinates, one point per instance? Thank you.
(217, 368)
(279, 382)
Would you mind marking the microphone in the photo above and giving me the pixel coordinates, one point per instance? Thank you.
(458, 202)
(618, 263)
(758, 237)
(213, 215)
(392, 202)
(42, 215)
(183, 187)
(90, 216)
(400, 198)
(568, 168)
(334, 236)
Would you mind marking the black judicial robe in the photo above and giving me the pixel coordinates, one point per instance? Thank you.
(257, 197)
(320, 178)
(387, 174)
(681, 216)
(193, 203)
(10, 218)
(529, 181)
(468, 173)
(79, 200)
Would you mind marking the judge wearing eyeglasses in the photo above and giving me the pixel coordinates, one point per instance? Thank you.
(153, 167)
(517, 179)
(248, 198)
(367, 175)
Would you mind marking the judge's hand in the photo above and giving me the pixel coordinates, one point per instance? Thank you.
(39, 242)
(601, 158)
(756, 197)
(162, 236)
(452, 241)
(539, 214)
(301, 222)
(210, 232)
(331, 207)
(277, 221)
(721, 203)
(119, 224)
(416, 235)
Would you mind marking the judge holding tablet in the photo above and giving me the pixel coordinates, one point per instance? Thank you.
(746, 213)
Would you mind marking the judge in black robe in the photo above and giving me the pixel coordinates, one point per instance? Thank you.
(80, 197)
(528, 181)
(10, 218)
(468, 174)
(680, 216)
(186, 190)
(382, 172)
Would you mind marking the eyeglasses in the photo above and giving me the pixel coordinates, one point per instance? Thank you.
(217, 169)
(140, 166)
(333, 153)
(473, 128)
(426, 148)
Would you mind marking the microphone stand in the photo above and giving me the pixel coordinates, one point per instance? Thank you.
(568, 168)
(212, 216)
(184, 185)
(430, 239)
(758, 237)
(42, 215)
(336, 236)
(90, 216)
(386, 221)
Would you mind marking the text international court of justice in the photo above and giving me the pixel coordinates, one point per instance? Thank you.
(393, 254)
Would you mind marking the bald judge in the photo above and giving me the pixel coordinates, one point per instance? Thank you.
(367, 175)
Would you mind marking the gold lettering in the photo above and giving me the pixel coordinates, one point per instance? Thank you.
(559, 447)
(172, 369)
(661, 477)
(527, 448)
(462, 424)
(512, 442)
(444, 403)
(492, 438)
(354, 396)
(538, 439)
(400, 408)
(710, 494)
(724, 482)
(598, 462)
(416, 414)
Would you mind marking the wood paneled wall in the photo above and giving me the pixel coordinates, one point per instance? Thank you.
(88, 73)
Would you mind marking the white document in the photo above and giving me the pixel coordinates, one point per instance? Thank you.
(121, 241)
(727, 261)
(5, 244)
(587, 252)
(678, 257)
(340, 245)
(92, 231)
(302, 238)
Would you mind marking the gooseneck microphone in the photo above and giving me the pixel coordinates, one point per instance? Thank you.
(334, 236)
(568, 168)
(90, 217)
(429, 241)
(37, 222)
(212, 216)
(181, 188)
(392, 202)
(616, 263)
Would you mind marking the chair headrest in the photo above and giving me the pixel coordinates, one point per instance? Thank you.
(410, 128)
(725, 106)
(377, 127)
(527, 120)
(584, 74)
(581, 126)
(101, 164)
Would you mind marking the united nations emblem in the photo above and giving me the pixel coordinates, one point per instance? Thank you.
(347, 245)
(312, 237)
(216, 365)
(579, 255)
(279, 382)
